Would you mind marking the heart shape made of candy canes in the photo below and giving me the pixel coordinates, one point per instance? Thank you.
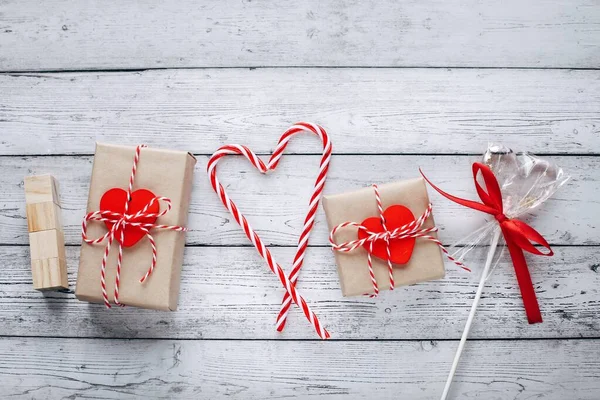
(287, 282)
(401, 250)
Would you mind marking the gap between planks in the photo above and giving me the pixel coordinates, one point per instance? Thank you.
(226, 339)
(33, 72)
(297, 154)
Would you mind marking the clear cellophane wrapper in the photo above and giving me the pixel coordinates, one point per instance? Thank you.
(526, 181)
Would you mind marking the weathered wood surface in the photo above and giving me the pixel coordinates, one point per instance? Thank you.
(229, 293)
(414, 111)
(62, 34)
(123, 369)
(275, 204)
(197, 89)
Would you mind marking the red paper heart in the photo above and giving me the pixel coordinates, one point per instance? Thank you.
(400, 249)
(114, 200)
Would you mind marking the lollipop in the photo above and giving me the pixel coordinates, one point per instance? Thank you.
(515, 184)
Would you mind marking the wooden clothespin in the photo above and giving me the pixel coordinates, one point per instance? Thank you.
(46, 237)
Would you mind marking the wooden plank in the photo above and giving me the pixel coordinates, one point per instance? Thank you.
(229, 293)
(417, 111)
(62, 34)
(275, 204)
(87, 368)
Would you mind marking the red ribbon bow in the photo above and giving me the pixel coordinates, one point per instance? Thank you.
(518, 235)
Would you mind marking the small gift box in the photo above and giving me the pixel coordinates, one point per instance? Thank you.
(137, 212)
(416, 258)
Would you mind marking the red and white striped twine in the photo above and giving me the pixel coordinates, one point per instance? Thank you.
(413, 229)
(120, 221)
(287, 282)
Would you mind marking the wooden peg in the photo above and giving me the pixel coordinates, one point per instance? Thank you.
(42, 203)
(47, 244)
(41, 189)
(46, 237)
(49, 274)
(43, 216)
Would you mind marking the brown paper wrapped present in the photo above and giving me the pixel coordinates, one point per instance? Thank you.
(165, 173)
(426, 262)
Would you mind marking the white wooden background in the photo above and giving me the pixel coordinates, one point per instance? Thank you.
(398, 85)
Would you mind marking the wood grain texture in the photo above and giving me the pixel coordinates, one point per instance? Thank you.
(49, 274)
(195, 75)
(41, 189)
(276, 204)
(416, 111)
(43, 216)
(67, 368)
(229, 293)
(62, 34)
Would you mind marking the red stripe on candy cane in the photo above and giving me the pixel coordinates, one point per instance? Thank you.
(288, 282)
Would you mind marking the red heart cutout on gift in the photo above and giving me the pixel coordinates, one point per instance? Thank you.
(114, 200)
(400, 249)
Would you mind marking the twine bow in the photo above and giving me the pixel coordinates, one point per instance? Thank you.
(120, 221)
(413, 229)
(518, 235)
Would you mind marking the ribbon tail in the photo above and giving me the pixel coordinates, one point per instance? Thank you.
(463, 202)
(523, 235)
(530, 302)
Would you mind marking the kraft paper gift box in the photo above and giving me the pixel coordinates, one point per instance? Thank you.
(426, 262)
(166, 173)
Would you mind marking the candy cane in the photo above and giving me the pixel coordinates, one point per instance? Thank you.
(287, 282)
(308, 223)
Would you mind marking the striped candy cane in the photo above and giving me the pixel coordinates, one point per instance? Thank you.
(120, 222)
(287, 282)
(413, 229)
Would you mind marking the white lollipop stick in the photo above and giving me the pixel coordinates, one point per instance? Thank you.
(465, 334)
